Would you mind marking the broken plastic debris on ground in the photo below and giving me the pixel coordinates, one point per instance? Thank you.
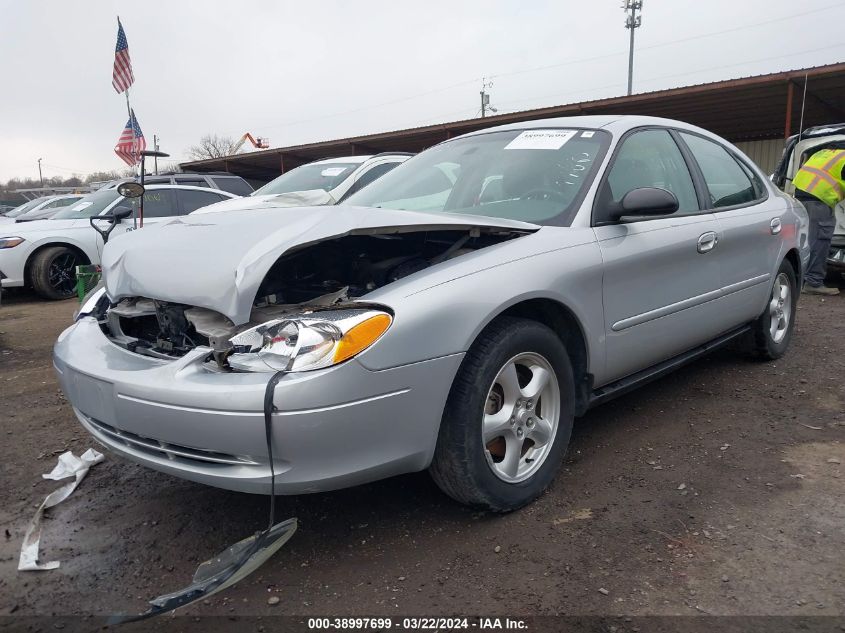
(222, 571)
(69, 465)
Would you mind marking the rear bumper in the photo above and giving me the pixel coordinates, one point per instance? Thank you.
(335, 428)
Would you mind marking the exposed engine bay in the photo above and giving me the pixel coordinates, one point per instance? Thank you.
(328, 274)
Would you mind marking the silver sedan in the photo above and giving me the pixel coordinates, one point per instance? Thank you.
(455, 315)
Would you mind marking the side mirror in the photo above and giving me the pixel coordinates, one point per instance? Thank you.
(119, 213)
(646, 202)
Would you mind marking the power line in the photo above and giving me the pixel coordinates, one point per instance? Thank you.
(747, 26)
(368, 107)
(685, 73)
(668, 43)
(750, 61)
(522, 71)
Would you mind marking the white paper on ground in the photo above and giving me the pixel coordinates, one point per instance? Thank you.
(541, 139)
(69, 465)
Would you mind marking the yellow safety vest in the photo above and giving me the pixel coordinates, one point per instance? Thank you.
(821, 176)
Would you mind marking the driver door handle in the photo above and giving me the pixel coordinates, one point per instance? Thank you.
(707, 241)
(775, 226)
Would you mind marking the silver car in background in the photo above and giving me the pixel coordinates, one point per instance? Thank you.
(455, 315)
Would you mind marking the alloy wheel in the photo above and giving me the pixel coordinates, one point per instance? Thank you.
(780, 308)
(521, 416)
(62, 273)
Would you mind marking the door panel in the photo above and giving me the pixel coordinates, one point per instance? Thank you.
(661, 276)
(750, 235)
(748, 251)
(659, 291)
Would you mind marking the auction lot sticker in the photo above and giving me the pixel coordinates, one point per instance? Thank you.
(541, 139)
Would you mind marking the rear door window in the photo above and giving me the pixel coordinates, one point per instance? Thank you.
(369, 176)
(728, 183)
(237, 186)
(192, 182)
(193, 200)
(158, 203)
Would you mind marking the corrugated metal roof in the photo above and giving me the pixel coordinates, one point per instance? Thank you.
(747, 108)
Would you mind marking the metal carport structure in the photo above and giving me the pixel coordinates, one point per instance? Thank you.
(745, 111)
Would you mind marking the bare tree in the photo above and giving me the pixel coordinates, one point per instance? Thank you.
(213, 146)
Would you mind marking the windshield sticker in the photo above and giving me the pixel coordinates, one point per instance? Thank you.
(81, 205)
(541, 139)
(587, 134)
(332, 171)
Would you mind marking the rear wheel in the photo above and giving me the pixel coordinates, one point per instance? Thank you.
(508, 417)
(53, 272)
(772, 330)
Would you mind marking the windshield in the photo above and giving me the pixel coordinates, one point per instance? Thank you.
(26, 206)
(325, 176)
(534, 176)
(92, 204)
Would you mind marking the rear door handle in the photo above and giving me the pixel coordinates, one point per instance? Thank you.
(776, 226)
(707, 241)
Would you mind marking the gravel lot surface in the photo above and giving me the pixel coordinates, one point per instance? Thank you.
(717, 490)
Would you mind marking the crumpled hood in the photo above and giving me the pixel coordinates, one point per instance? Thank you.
(218, 261)
(310, 198)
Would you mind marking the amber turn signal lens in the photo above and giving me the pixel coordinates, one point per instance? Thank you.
(361, 337)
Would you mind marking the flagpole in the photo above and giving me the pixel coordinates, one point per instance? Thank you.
(134, 138)
(134, 146)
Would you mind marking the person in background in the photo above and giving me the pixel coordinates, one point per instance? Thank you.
(820, 186)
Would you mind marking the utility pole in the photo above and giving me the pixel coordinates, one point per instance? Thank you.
(155, 147)
(485, 97)
(40, 177)
(632, 21)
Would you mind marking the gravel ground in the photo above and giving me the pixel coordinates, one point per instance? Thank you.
(717, 490)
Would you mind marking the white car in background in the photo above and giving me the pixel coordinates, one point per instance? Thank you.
(46, 205)
(321, 183)
(795, 154)
(44, 254)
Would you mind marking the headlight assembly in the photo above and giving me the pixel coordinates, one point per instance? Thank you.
(307, 341)
(10, 242)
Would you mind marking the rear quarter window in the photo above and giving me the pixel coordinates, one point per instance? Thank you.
(728, 182)
(237, 186)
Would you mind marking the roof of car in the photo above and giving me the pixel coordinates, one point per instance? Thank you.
(167, 185)
(343, 159)
(591, 121)
(359, 159)
(617, 124)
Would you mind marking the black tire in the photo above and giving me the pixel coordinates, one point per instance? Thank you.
(763, 345)
(460, 465)
(53, 272)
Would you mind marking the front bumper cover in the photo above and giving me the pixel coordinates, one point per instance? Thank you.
(334, 428)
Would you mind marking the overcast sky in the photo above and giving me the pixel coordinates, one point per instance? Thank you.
(313, 70)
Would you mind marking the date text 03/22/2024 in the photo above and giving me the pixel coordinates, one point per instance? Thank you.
(421, 623)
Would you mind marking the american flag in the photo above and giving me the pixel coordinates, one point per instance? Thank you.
(122, 77)
(131, 142)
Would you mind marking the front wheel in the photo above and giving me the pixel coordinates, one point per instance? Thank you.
(53, 272)
(508, 417)
(772, 330)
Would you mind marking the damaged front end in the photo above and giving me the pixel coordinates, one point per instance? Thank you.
(321, 287)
